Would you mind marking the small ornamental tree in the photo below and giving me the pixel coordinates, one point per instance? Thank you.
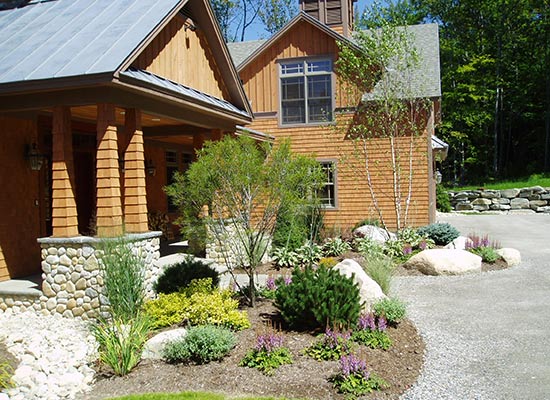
(386, 128)
(244, 185)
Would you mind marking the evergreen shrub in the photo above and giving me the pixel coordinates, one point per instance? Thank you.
(443, 203)
(317, 298)
(201, 345)
(178, 276)
(440, 233)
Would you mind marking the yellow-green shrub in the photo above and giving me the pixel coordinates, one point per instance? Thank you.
(199, 307)
(168, 309)
(217, 308)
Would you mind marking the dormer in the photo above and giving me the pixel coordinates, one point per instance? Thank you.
(338, 14)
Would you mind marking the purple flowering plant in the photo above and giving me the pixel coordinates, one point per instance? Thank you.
(331, 346)
(483, 247)
(371, 331)
(354, 379)
(268, 354)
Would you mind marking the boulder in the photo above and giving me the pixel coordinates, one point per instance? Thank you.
(509, 193)
(444, 262)
(369, 291)
(481, 202)
(511, 256)
(459, 243)
(154, 346)
(490, 194)
(464, 207)
(534, 204)
(519, 203)
(375, 233)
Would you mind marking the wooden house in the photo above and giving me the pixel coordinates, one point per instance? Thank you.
(292, 86)
(100, 102)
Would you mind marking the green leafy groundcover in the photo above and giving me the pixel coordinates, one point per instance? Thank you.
(190, 396)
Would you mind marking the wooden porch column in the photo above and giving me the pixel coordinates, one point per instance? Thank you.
(135, 196)
(64, 214)
(109, 209)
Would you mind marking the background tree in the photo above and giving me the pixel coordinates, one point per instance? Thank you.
(388, 122)
(235, 17)
(244, 184)
(274, 14)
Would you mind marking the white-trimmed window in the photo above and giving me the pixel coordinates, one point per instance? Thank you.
(327, 194)
(306, 91)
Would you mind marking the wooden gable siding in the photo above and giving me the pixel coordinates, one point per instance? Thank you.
(183, 56)
(261, 77)
(352, 193)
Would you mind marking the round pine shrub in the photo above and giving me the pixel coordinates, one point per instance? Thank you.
(201, 345)
(317, 298)
(178, 276)
(441, 234)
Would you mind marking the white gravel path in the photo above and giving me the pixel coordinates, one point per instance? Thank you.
(54, 353)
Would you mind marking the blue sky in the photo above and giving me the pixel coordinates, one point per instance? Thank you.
(257, 32)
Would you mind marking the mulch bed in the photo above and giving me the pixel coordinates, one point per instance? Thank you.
(305, 378)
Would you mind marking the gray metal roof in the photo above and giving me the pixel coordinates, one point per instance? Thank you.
(177, 89)
(423, 81)
(241, 50)
(64, 38)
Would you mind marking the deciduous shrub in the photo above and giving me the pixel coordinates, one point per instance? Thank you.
(268, 354)
(178, 276)
(198, 306)
(391, 308)
(440, 233)
(317, 298)
(201, 345)
(121, 342)
(443, 203)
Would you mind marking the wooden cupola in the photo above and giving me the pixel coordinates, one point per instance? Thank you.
(338, 14)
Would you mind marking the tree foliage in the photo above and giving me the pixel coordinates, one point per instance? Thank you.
(495, 57)
(274, 14)
(244, 184)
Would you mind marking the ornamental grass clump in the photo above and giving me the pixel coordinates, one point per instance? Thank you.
(200, 345)
(354, 379)
(371, 331)
(268, 354)
(381, 270)
(6, 373)
(332, 345)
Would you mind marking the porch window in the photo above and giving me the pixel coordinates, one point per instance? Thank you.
(327, 194)
(306, 92)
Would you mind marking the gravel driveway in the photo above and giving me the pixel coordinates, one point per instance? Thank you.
(487, 336)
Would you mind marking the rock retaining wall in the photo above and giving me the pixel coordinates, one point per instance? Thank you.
(536, 199)
(20, 302)
(72, 280)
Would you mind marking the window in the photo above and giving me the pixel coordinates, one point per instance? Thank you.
(327, 194)
(306, 92)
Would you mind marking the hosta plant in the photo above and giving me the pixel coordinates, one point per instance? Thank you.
(354, 379)
(283, 257)
(309, 254)
(332, 345)
(268, 354)
(371, 332)
(335, 247)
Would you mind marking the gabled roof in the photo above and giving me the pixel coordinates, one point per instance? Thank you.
(56, 44)
(245, 52)
(424, 80)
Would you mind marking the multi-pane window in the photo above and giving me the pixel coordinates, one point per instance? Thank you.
(327, 194)
(306, 91)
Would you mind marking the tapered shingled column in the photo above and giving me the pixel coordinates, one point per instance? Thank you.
(135, 195)
(109, 209)
(64, 214)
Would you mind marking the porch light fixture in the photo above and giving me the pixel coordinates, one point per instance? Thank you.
(150, 168)
(121, 164)
(34, 157)
(438, 177)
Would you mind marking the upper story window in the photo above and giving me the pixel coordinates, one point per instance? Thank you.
(306, 92)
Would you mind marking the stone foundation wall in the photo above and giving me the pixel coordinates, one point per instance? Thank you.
(72, 280)
(536, 199)
(20, 302)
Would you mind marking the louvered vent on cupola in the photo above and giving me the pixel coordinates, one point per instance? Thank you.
(338, 14)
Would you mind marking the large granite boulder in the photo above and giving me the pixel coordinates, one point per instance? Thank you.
(369, 291)
(154, 346)
(445, 262)
(511, 256)
(375, 233)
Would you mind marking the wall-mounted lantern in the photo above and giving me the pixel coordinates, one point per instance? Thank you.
(150, 168)
(34, 157)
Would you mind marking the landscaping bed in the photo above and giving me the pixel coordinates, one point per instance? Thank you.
(305, 378)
